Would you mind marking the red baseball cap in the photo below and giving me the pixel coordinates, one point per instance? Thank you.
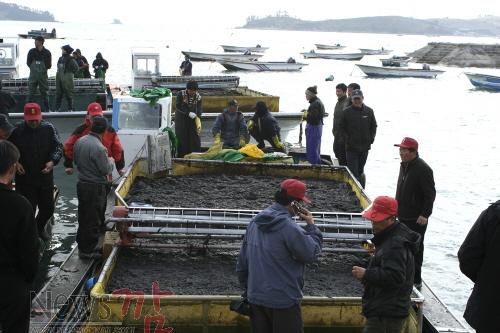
(408, 143)
(295, 189)
(94, 109)
(382, 208)
(32, 111)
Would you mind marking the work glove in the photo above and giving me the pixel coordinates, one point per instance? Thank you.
(250, 125)
(277, 143)
(217, 140)
(243, 142)
(197, 122)
(304, 116)
(192, 115)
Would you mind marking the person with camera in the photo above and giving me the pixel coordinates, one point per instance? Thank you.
(272, 260)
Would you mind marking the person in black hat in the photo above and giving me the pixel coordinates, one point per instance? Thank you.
(94, 166)
(263, 126)
(314, 128)
(66, 69)
(39, 61)
(188, 119)
(5, 127)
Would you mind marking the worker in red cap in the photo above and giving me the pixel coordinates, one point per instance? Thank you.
(388, 279)
(110, 140)
(41, 149)
(415, 194)
(272, 260)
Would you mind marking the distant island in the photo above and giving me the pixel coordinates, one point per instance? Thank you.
(482, 26)
(13, 12)
(116, 21)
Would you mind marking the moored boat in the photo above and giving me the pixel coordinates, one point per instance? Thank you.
(40, 33)
(198, 56)
(262, 66)
(484, 81)
(243, 49)
(377, 71)
(329, 47)
(335, 56)
(375, 51)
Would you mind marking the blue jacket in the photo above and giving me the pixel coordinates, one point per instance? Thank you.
(232, 126)
(273, 257)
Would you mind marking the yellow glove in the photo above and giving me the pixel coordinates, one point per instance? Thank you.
(243, 142)
(250, 125)
(217, 140)
(304, 116)
(277, 143)
(197, 122)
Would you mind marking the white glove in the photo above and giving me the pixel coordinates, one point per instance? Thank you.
(192, 115)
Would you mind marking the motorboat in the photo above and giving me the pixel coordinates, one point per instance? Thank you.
(329, 47)
(262, 66)
(243, 49)
(377, 71)
(375, 51)
(335, 56)
(484, 81)
(199, 56)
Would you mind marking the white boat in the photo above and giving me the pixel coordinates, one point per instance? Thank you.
(231, 48)
(396, 61)
(198, 56)
(484, 81)
(399, 72)
(329, 47)
(375, 51)
(336, 56)
(262, 66)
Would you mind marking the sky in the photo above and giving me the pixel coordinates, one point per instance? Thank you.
(232, 13)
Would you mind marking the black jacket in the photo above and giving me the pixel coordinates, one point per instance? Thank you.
(315, 112)
(415, 191)
(358, 127)
(37, 147)
(479, 261)
(388, 278)
(43, 55)
(337, 113)
(265, 126)
(18, 236)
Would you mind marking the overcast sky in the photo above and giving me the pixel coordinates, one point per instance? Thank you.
(231, 13)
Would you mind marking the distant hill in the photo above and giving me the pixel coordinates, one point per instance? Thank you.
(13, 12)
(483, 26)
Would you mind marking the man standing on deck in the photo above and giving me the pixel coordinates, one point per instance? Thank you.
(272, 261)
(41, 149)
(358, 128)
(230, 127)
(188, 119)
(415, 194)
(39, 61)
(478, 257)
(18, 250)
(186, 68)
(110, 140)
(94, 166)
(388, 279)
(338, 141)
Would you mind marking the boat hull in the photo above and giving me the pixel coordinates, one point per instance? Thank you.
(197, 56)
(375, 71)
(329, 47)
(259, 66)
(374, 52)
(242, 49)
(482, 81)
(334, 56)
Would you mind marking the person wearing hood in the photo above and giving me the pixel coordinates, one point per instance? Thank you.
(188, 119)
(263, 126)
(230, 127)
(100, 66)
(388, 279)
(66, 69)
(110, 140)
(314, 127)
(272, 260)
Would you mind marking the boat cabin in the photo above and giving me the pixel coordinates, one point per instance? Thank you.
(9, 59)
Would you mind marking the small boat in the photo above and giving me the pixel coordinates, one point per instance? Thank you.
(43, 33)
(399, 72)
(336, 56)
(396, 61)
(262, 66)
(375, 51)
(198, 56)
(484, 81)
(204, 82)
(329, 47)
(257, 48)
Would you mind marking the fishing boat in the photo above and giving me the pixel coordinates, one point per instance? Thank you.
(9, 59)
(375, 51)
(40, 33)
(335, 56)
(262, 66)
(396, 61)
(377, 71)
(484, 81)
(243, 49)
(329, 47)
(198, 56)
